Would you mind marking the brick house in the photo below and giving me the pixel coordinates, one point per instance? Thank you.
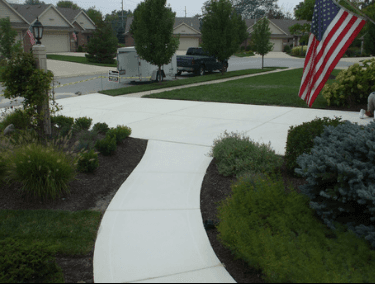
(59, 25)
(190, 36)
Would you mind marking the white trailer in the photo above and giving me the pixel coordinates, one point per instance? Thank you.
(131, 66)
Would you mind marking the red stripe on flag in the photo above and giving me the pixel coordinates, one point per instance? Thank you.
(317, 57)
(338, 57)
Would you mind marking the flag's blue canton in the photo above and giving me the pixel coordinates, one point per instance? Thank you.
(324, 12)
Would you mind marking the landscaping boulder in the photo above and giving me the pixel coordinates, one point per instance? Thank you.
(9, 129)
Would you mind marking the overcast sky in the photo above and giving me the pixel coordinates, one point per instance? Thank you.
(193, 7)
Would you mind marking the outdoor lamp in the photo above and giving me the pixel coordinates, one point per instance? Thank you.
(38, 31)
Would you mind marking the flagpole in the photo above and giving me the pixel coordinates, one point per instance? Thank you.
(362, 16)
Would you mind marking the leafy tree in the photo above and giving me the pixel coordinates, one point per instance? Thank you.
(152, 30)
(223, 30)
(8, 39)
(95, 15)
(304, 10)
(67, 4)
(304, 29)
(102, 47)
(261, 37)
(254, 9)
(33, 2)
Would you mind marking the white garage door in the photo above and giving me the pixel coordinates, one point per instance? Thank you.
(185, 43)
(56, 42)
(278, 44)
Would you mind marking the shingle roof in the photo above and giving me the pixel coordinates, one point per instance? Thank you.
(191, 22)
(30, 12)
(68, 13)
(194, 23)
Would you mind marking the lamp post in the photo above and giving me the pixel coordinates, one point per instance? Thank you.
(39, 52)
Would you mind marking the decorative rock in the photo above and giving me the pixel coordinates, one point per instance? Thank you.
(9, 129)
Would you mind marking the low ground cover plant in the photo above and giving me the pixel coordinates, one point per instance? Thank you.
(237, 154)
(82, 123)
(106, 146)
(278, 233)
(88, 162)
(121, 132)
(101, 128)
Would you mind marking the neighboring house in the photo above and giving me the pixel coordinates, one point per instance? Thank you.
(187, 28)
(59, 25)
(190, 35)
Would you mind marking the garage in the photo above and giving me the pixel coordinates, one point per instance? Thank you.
(278, 44)
(186, 42)
(56, 42)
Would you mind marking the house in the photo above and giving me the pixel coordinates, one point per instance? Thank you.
(190, 35)
(59, 25)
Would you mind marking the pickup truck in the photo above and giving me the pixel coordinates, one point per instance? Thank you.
(198, 61)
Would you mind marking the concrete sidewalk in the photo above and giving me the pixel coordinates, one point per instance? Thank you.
(152, 230)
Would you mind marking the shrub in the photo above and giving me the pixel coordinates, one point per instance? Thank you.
(352, 85)
(42, 171)
(237, 154)
(18, 118)
(287, 49)
(101, 128)
(88, 162)
(106, 146)
(61, 121)
(86, 140)
(80, 48)
(242, 48)
(301, 139)
(340, 173)
(299, 50)
(248, 48)
(121, 132)
(277, 232)
(82, 123)
(22, 263)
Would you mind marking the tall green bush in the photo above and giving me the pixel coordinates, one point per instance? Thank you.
(8, 45)
(352, 85)
(236, 154)
(277, 232)
(340, 175)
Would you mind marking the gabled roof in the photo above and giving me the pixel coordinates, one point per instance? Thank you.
(31, 12)
(83, 13)
(283, 25)
(69, 14)
(191, 22)
(15, 11)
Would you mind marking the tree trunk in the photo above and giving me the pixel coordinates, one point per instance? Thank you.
(262, 60)
(160, 74)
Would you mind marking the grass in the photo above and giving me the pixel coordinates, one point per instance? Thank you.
(77, 59)
(193, 80)
(279, 89)
(61, 232)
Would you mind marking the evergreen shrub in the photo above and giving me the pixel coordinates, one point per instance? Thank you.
(106, 146)
(301, 139)
(82, 123)
(121, 132)
(340, 172)
(299, 50)
(352, 86)
(61, 120)
(278, 233)
(22, 263)
(86, 140)
(88, 162)
(80, 48)
(287, 49)
(43, 171)
(236, 154)
(101, 128)
(20, 119)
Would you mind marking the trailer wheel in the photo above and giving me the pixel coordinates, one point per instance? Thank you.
(179, 73)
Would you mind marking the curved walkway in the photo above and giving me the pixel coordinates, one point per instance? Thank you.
(153, 231)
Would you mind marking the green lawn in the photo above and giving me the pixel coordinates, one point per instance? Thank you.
(279, 89)
(193, 80)
(77, 59)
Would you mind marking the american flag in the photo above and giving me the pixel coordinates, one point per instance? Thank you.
(32, 40)
(74, 36)
(333, 29)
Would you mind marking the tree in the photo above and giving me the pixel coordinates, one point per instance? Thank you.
(304, 29)
(261, 37)
(223, 30)
(254, 9)
(95, 15)
(102, 47)
(8, 39)
(369, 30)
(33, 2)
(152, 30)
(68, 4)
(118, 24)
